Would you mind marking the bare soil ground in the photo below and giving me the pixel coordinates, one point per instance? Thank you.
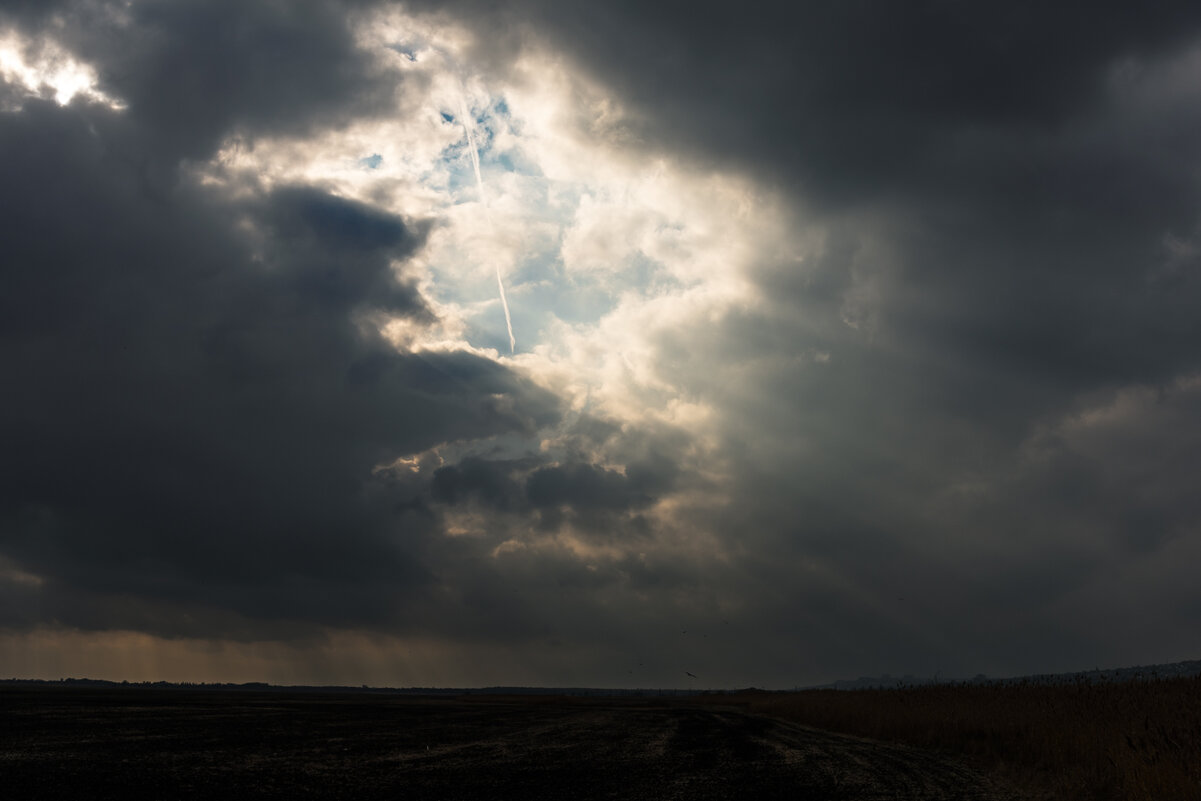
(177, 744)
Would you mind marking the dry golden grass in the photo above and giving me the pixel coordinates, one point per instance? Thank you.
(1133, 741)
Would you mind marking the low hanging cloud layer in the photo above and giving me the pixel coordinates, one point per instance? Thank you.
(849, 341)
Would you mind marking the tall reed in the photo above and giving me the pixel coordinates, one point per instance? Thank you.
(1084, 741)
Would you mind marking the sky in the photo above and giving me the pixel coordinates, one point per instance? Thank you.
(597, 343)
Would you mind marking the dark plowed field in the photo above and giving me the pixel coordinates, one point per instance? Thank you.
(142, 744)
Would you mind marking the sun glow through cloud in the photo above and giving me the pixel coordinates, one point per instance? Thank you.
(602, 249)
(44, 69)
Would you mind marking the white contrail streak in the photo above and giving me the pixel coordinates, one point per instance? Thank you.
(479, 185)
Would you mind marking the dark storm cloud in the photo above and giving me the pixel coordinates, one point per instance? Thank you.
(489, 482)
(960, 429)
(197, 71)
(213, 67)
(1006, 228)
(589, 493)
(193, 409)
(30, 12)
(584, 486)
(580, 486)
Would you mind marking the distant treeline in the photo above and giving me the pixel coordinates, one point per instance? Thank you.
(258, 686)
(1139, 673)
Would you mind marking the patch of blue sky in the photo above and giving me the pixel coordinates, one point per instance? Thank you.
(542, 291)
(455, 151)
(485, 136)
(488, 124)
(460, 184)
(649, 276)
(517, 161)
(406, 49)
(371, 162)
(489, 331)
(540, 304)
(435, 178)
(455, 164)
(540, 294)
(541, 262)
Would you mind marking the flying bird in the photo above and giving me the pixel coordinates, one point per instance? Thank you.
(686, 673)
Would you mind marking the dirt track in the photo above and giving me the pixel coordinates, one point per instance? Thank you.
(175, 744)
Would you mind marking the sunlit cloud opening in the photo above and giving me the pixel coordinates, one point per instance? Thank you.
(594, 240)
(548, 220)
(45, 70)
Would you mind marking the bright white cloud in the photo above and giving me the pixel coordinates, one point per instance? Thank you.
(43, 68)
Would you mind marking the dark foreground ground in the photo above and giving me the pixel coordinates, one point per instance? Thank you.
(135, 744)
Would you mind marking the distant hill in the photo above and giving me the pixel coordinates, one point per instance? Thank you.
(1139, 672)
